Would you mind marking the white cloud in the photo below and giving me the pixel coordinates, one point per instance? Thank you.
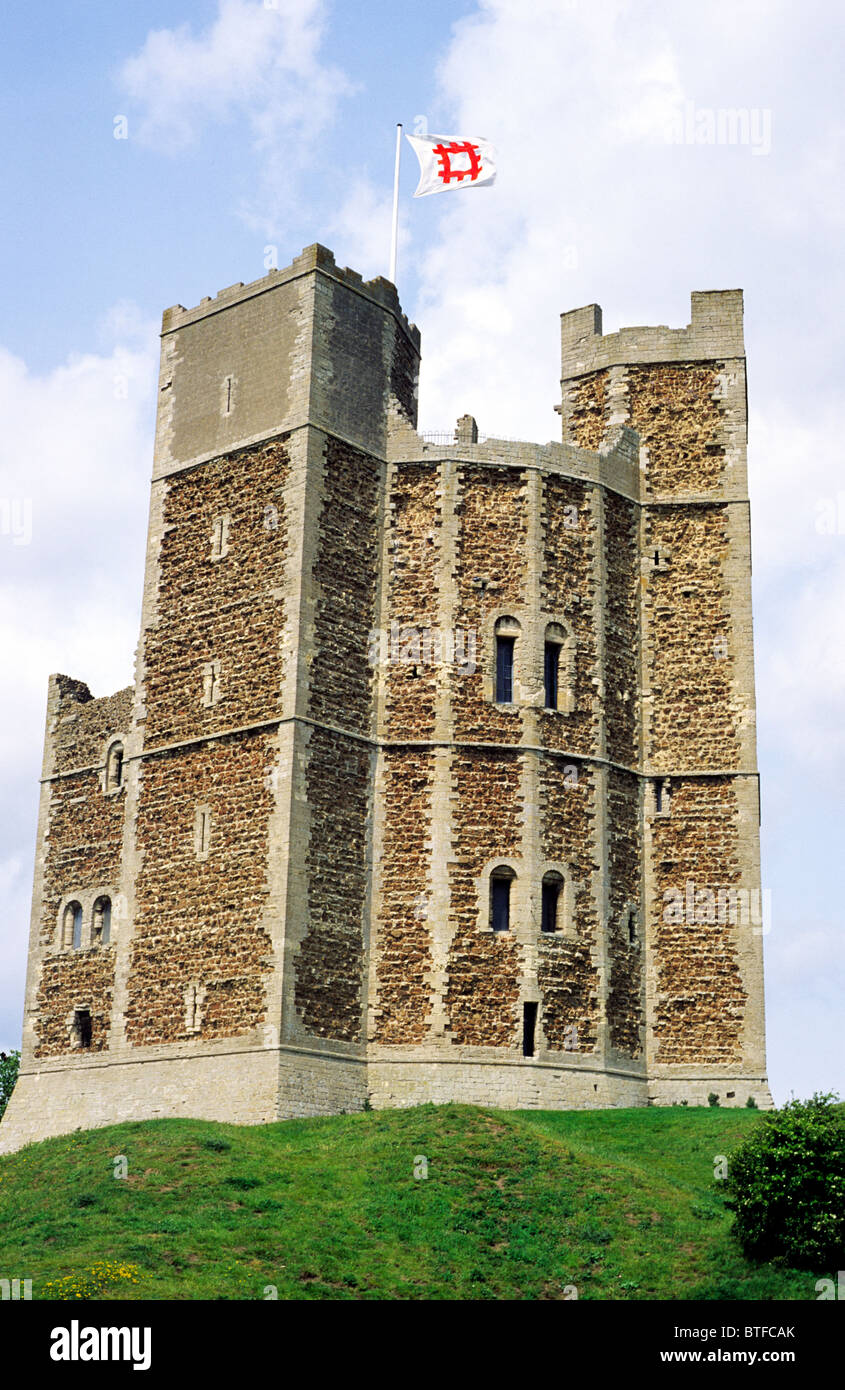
(254, 59)
(75, 454)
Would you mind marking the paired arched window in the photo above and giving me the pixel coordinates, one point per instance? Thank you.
(500, 897)
(101, 922)
(552, 899)
(556, 638)
(506, 633)
(114, 767)
(72, 926)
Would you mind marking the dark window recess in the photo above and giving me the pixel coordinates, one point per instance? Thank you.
(552, 660)
(551, 893)
(661, 799)
(500, 904)
(632, 926)
(504, 670)
(83, 1027)
(529, 1025)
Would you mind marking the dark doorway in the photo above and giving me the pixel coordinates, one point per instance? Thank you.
(529, 1024)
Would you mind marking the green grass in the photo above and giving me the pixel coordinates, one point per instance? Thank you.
(517, 1204)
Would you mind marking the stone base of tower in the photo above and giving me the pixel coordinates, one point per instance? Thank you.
(683, 1085)
(248, 1087)
(517, 1085)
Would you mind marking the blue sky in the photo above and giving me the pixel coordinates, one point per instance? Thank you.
(253, 125)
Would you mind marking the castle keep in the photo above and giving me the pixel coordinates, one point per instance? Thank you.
(437, 780)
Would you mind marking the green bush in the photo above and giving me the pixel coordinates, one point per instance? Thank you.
(9, 1063)
(786, 1186)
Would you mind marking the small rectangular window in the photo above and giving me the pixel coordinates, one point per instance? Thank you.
(551, 665)
(504, 670)
(529, 1025)
(500, 904)
(83, 1027)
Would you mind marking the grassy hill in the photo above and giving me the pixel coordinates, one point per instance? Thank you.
(517, 1204)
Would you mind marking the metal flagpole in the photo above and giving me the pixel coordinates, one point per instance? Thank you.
(395, 233)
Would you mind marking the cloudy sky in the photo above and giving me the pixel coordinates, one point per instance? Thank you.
(255, 128)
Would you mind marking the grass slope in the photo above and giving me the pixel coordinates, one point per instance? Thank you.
(517, 1204)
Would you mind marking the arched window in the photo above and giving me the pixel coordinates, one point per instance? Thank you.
(555, 638)
(500, 898)
(507, 631)
(632, 926)
(552, 885)
(72, 926)
(101, 922)
(114, 768)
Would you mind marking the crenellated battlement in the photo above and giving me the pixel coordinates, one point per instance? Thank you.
(714, 331)
(315, 257)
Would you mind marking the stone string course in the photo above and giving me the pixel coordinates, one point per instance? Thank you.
(299, 856)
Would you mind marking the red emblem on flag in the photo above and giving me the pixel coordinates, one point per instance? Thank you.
(445, 153)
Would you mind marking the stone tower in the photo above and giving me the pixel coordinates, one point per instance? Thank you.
(437, 780)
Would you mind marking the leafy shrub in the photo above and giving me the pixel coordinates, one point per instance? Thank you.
(713, 1098)
(751, 1103)
(9, 1063)
(786, 1186)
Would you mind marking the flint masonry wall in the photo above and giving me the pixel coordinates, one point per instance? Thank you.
(481, 532)
(683, 391)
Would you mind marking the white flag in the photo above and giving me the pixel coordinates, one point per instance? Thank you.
(448, 163)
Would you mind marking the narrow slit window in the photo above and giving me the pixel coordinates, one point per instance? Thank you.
(500, 901)
(194, 1000)
(202, 833)
(552, 885)
(662, 800)
(211, 683)
(220, 537)
(504, 670)
(551, 673)
(529, 1028)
